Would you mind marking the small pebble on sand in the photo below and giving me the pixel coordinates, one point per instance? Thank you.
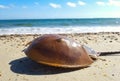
(105, 75)
(106, 64)
(110, 41)
(113, 75)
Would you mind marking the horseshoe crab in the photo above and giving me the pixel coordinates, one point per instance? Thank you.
(59, 51)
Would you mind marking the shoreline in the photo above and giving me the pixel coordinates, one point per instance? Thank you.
(63, 33)
(15, 66)
(57, 30)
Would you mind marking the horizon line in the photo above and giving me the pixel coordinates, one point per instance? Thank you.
(60, 18)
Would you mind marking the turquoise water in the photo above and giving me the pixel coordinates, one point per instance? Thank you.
(31, 26)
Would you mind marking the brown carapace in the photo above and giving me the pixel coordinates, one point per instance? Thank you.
(59, 51)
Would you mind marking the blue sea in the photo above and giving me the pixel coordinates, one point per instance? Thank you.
(52, 26)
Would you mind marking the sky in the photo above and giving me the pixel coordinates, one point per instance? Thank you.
(45, 9)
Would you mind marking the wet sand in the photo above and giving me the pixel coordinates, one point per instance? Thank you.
(15, 66)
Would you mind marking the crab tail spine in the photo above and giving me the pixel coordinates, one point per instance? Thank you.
(109, 53)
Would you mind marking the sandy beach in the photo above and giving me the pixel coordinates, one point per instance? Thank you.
(15, 66)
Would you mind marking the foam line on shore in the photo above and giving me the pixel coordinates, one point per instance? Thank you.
(57, 30)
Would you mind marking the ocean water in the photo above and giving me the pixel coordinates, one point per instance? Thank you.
(52, 26)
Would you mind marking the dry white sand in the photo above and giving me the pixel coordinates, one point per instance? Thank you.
(15, 66)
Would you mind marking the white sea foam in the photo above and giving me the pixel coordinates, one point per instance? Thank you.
(56, 30)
